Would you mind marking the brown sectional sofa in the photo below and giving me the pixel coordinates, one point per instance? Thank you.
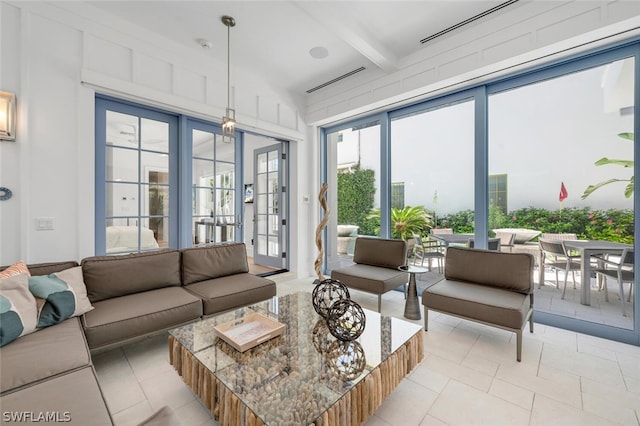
(50, 371)
(486, 286)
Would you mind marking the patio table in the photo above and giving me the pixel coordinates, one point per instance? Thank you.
(588, 249)
(448, 239)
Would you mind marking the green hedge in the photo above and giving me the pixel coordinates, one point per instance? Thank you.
(611, 225)
(356, 189)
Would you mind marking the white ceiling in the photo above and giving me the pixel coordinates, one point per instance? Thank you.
(274, 38)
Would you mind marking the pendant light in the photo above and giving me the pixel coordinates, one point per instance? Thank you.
(229, 120)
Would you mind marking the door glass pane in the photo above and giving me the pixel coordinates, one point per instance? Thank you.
(202, 144)
(121, 164)
(558, 141)
(122, 199)
(154, 135)
(153, 163)
(122, 129)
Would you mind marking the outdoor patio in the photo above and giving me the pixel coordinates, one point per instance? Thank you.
(548, 298)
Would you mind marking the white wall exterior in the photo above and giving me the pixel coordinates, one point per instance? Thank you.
(55, 58)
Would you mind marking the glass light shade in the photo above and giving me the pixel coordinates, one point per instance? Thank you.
(228, 126)
(7, 116)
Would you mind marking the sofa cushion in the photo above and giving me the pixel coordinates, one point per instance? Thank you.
(380, 252)
(63, 293)
(137, 314)
(49, 352)
(481, 302)
(511, 271)
(231, 292)
(107, 277)
(372, 279)
(18, 311)
(220, 260)
(50, 267)
(73, 398)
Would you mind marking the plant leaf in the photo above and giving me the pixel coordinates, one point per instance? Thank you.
(592, 188)
(624, 163)
(626, 135)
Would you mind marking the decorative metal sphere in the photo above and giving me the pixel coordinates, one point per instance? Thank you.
(321, 336)
(326, 293)
(346, 320)
(346, 359)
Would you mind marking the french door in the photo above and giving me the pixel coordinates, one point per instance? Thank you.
(270, 221)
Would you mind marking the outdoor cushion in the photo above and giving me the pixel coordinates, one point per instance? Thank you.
(231, 292)
(386, 253)
(511, 271)
(484, 303)
(49, 352)
(135, 315)
(369, 278)
(71, 399)
(213, 261)
(107, 277)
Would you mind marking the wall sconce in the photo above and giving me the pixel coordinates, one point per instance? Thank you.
(7, 116)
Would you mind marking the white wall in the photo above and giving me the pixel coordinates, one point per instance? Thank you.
(56, 58)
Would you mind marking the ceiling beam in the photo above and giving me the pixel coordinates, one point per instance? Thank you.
(351, 32)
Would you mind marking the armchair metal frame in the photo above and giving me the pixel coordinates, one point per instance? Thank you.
(556, 257)
(622, 271)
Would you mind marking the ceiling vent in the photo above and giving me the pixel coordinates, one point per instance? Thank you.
(468, 21)
(342, 77)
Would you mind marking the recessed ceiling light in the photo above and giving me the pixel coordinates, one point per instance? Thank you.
(204, 43)
(319, 52)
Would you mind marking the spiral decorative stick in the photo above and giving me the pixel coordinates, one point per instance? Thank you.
(322, 197)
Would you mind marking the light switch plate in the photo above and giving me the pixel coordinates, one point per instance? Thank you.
(44, 224)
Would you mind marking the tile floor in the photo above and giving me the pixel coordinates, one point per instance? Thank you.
(469, 376)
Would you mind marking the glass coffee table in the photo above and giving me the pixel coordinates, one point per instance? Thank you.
(304, 376)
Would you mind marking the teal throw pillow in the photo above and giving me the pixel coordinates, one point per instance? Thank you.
(63, 295)
(18, 312)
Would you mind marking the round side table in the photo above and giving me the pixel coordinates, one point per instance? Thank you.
(412, 305)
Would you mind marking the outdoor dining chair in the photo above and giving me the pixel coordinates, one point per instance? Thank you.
(507, 240)
(492, 243)
(622, 270)
(555, 256)
(428, 250)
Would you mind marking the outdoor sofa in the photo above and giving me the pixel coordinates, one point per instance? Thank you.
(50, 371)
(486, 286)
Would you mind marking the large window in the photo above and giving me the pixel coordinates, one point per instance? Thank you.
(426, 155)
(548, 154)
(562, 150)
(354, 183)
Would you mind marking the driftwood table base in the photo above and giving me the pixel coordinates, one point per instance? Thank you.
(353, 407)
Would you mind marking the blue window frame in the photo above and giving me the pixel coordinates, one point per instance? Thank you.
(136, 176)
(480, 96)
